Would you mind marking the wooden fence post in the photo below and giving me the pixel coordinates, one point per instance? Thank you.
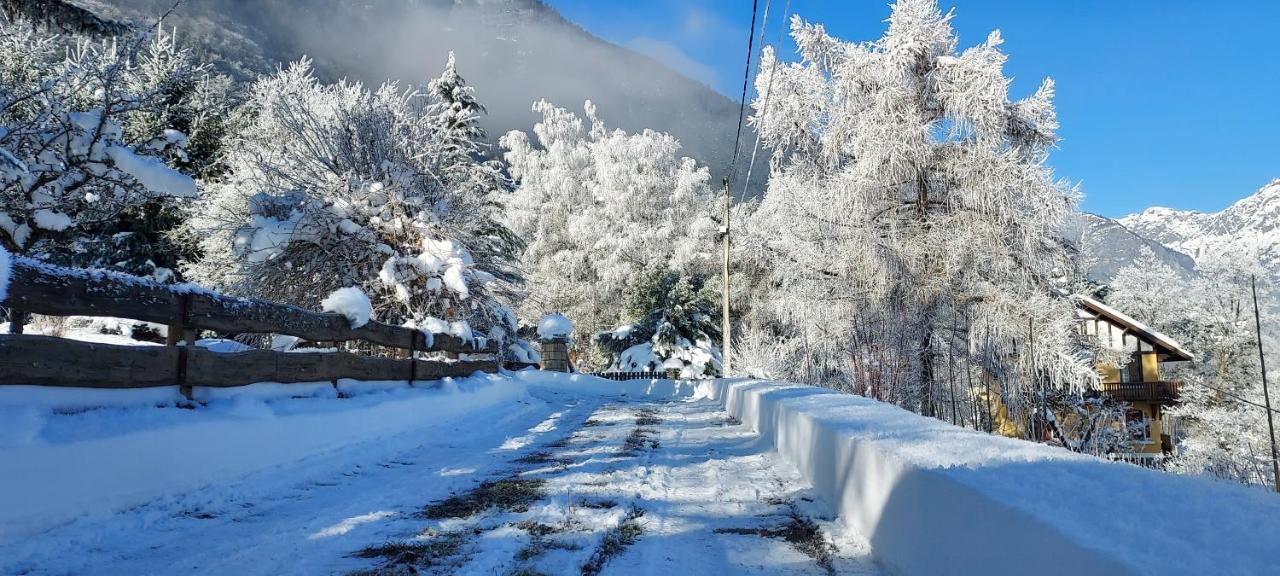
(413, 359)
(179, 332)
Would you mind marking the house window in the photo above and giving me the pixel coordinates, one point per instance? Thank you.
(1133, 370)
(1138, 425)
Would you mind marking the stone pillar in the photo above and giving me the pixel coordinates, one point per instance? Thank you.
(555, 354)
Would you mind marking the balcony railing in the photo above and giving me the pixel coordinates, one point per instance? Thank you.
(1143, 391)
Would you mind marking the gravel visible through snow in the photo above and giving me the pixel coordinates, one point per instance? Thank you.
(562, 484)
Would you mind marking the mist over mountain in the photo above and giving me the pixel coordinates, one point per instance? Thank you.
(513, 51)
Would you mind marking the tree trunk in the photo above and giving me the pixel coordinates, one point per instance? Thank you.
(926, 373)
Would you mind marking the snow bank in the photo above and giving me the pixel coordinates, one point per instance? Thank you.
(63, 457)
(660, 389)
(554, 326)
(351, 302)
(937, 499)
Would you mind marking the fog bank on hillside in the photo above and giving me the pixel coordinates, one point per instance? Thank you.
(513, 51)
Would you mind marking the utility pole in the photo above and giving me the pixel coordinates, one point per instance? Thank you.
(1266, 394)
(725, 336)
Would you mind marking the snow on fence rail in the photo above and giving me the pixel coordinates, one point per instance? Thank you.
(39, 288)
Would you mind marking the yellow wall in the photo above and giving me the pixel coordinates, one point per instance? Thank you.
(1150, 368)
(1153, 419)
(1002, 422)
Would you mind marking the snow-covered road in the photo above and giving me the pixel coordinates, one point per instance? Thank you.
(561, 483)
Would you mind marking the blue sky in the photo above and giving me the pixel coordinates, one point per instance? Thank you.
(1162, 102)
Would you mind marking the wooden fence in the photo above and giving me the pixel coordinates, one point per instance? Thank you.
(38, 288)
(638, 375)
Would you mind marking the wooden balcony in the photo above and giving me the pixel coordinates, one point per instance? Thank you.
(1162, 392)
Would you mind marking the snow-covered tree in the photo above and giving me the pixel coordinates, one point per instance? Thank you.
(335, 185)
(67, 163)
(672, 324)
(1150, 290)
(1221, 428)
(600, 210)
(911, 220)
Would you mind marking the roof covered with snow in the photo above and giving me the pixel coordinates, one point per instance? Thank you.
(1151, 335)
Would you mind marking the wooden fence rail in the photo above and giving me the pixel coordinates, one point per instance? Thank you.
(39, 288)
(49, 361)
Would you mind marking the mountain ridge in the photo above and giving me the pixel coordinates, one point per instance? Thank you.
(1249, 227)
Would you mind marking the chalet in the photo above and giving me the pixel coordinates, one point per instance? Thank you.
(1139, 382)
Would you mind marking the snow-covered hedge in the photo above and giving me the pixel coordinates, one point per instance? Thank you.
(937, 499)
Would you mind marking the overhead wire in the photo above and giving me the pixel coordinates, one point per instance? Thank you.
(764, 110)
(746, 81)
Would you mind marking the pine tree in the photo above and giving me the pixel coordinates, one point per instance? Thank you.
(670, 321)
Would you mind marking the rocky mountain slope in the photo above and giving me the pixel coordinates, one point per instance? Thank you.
(1107, 246)
(1250, 228)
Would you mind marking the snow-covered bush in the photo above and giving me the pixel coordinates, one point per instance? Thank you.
(89, 130)
(387, 190)
(600, 209)
(911, 223)
(674, 326)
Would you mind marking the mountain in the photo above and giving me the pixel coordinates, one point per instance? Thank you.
(1107, 246)
(1250, 227)
(513, 51)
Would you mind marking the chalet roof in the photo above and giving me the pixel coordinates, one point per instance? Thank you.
(1169, 345)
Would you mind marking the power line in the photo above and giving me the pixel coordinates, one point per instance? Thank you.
(746, 81)
(726, 324)
(768, 91)
(1237, 397)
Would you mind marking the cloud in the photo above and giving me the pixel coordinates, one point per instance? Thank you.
(696, 21)
(669, 54)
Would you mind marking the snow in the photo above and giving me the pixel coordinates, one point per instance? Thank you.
(351, 302)
(267, 238)
(638, 358)
(6, 270)
(554, 326)
(433, 325)
(521, 350)
(223, 345)
(153, 174)
(453, 279)
(19, 232)
(310, 511)
(50, 220)
(92, 453)
(993, 505)
(261, 480)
